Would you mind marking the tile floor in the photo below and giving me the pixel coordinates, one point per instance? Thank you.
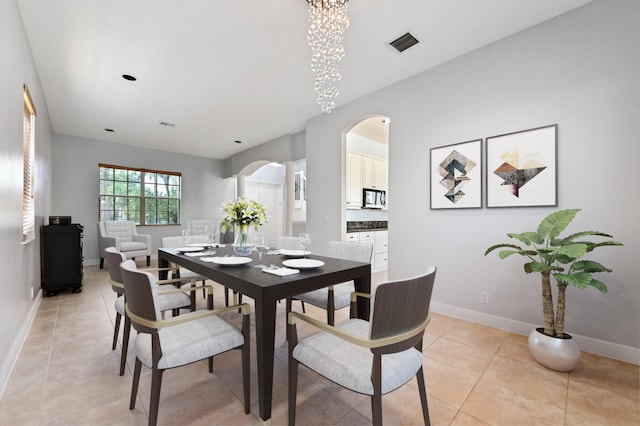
(68, 374)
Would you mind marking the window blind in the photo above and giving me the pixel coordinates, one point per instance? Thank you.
(28, 142)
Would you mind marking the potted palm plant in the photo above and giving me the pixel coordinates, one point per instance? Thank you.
(564, 258)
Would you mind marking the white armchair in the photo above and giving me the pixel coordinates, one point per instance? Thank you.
(125, 238)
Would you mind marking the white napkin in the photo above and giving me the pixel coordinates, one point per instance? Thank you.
(200, 253)
(208, 259)
(282, 272)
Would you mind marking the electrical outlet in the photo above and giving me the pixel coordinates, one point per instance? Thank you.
(484, 297)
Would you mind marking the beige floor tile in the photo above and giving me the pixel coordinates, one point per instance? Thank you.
(463, 419)
(592, 405)
(543, 384)
(67, 374)
(477, 336)
(440, 324)
(446, 383)
(400, 407)
(459, 356)
(353, 419)
(314, 406)
(497, 405)
(620, 377)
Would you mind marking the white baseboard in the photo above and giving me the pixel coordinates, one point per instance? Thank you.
(600, 347)
(18, 342)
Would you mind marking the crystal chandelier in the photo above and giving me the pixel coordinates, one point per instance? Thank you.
(328, 21)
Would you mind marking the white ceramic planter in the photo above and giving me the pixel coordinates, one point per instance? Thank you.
(553, 352)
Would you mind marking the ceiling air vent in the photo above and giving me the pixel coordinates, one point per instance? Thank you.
(403, 42)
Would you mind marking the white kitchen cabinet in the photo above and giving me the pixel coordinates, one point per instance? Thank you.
(354, 180)
(381, 250)
(364, 172)
(380, 174)
(353, 237)
(379, 241)
(374, 173)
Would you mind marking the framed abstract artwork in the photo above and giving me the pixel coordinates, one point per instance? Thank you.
(521, 168)
(456, 176)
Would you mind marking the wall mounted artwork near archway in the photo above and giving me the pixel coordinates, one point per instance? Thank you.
(456, 176)
(522, 168)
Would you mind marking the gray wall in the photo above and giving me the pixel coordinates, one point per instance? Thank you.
(20, 262)
(279, 150)
(75, 189)
(579, 70)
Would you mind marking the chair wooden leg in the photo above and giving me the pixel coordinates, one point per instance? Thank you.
(304, 310)
(116, 330)
(210, 364)
(192, 296)
(125, 344)
(288, 307)
(246, 367)
(293, 371)
(423, 397)
(331, 311)
(101, 262)
(226, 296)
(134, 385)
(376, 398)
(154, 403)
(204, 291)
(148, 260)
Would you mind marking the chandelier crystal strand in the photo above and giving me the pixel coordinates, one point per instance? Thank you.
(328, 21)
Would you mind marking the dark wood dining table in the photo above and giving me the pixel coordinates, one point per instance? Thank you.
(266, 289)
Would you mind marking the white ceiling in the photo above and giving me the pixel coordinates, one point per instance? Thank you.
(235, 70)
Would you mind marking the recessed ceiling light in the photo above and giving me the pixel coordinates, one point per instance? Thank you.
(129, 77)
(238, 141)
(108, 130)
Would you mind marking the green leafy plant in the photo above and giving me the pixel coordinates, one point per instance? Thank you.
(561, 257)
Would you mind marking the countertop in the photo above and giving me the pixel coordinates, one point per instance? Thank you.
(367, 226)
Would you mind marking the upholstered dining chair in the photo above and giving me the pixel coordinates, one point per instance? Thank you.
(336, 296)
(169, 299)
(372, 358)
(198, 227)
(288, 243)
(162, 344)
(182, 272)
(124, 236)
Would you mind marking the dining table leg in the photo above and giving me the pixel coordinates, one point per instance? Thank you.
(163, 264)
(265, 313)
(363, 284)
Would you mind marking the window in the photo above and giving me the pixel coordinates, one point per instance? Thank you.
(146, 197)
(28, 149)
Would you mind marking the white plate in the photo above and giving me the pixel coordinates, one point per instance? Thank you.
(197, 244)
(303, 263)
(230, 261)
(188, 249)
(294, 253)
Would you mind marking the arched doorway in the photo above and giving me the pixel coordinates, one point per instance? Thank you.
(367, 175)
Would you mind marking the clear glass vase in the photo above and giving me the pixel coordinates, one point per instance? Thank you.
(242, 245)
